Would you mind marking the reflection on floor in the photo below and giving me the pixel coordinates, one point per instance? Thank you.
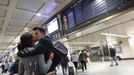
(104, 68)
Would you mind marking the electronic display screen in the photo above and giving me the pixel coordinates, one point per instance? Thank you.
(52, 26)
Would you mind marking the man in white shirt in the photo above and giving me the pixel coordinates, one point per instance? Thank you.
(75, 58)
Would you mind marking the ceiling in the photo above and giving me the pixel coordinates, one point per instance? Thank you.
(17, 16)
(114, 28)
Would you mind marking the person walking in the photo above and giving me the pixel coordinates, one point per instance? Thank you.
(6, 66)
(83, 59)
(64, 65)
(3, 68)
(113, 56)
(75, 58)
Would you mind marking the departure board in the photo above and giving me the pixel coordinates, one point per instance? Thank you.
(70, 19)
(113, 4)
(87, 10)
(99, 7)
(78, 14)
(81, 11)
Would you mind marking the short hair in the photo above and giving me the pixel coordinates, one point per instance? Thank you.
(40, 29)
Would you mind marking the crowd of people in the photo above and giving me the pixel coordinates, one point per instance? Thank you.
(80, 60)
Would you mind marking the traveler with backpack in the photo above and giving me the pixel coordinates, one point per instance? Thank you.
(26, 64)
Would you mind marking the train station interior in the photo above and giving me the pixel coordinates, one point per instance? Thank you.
(93, 26)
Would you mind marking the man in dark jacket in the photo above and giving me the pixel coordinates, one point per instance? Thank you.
(44, 46)
(64, 65)
(3, 67)
(113, 56)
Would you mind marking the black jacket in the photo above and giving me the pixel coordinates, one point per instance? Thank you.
(112, 52)
(45, 47)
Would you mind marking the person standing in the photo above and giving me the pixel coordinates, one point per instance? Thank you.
(26, 43)
(3, 67)
(64, 65)
(83, 59)
(45, 47)
(113, 56)
(75, 58)
(6, 66)
(25, 64)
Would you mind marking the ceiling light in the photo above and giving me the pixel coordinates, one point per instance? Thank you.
(132, 33)
(98, 1)
(115, 35)
(78, 34)
(65, 39)
(26, 29)
(38, 14)
(85, 43)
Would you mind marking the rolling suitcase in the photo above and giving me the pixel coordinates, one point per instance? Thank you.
(71, 70)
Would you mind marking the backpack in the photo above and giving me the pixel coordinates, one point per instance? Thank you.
(60, 48)
(60, 53)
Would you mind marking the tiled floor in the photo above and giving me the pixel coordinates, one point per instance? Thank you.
(103, 68)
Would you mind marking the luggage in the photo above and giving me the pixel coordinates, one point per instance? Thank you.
(71, 70)
(119, 58)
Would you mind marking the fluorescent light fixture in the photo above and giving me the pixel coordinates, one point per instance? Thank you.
(6, 51)
(26, 29)
(78, 34)
(65, 39)
(38, 14)
(108, 18)
(98, 1)
(131, 42)
(115, 35)
(84, 43)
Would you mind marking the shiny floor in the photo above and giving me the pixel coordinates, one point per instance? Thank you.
(125, 67)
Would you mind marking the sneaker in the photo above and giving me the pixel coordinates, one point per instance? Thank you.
(117, 64)
(111, 65)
